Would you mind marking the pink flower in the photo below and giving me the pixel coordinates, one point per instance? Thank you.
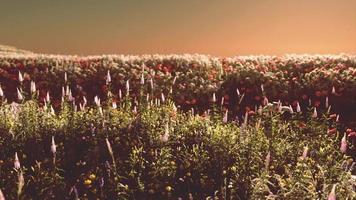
(332, 195)
(343, 146)
(305, 152)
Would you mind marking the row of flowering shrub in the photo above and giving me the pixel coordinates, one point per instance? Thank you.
(306, 79)
(146, 148)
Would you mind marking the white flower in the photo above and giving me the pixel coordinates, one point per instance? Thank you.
(33, 87)
(20, 76)
(298, 107)
(214, 97)
(108, 145)
(225, 116)
(2, 197)
(1, 92)
(315, 113)
(142, 79)
(163, 98)
(19, 95)
(108, 77)
(17, 164)
(237, 91)
(65, 77)
(127, 87)
(114, 105)
(97, 101)
(47, 97)
(53, 146)
(165, 136)
(120, 94)
(333, 91)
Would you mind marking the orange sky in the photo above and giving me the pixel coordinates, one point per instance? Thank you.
(216, 27)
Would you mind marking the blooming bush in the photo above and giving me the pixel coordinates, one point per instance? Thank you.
(193, 78)
(146, 148)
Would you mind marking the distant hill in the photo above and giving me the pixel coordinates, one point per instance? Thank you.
(4, 49)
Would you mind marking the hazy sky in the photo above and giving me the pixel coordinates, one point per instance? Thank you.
(216, 27)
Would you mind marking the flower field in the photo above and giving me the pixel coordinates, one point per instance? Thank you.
(177, 127)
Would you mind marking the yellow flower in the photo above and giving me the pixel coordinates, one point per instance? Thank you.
(92, 176)
(169, 188)
(87, 182)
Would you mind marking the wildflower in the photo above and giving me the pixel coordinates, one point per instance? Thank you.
(84, 101)
(20, 77)
(65, 77)
(87, 182)
(1, 92)
(268, 160)
(291, 109)
(298, 107)
(74, 190)
(101, 182)
(108, 145)
(237, 91)
(53, 146)
(17, 164)
(21, 183)
(225, 116)
(52, 110)
(2, 197)
(326, 102)
(33, 87)
(331, 131)
(315, 113)
(63, 92)
(19, 95)
(333, 91)
(114, 105)
(163, 98)
(332, 195)
(127, 87)
(97, 101)
(47, 97)
(214, 98)
(265, 101)
(337, 118)
(352, 134)
(329, 109)
(164, 137)
(168, 188)
(120, 94)
(142, 79)
(305, 152)
(343, 146)
(151, 83)
(92, 176)
(108, 78)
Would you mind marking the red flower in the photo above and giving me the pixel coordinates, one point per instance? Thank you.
(352, 134)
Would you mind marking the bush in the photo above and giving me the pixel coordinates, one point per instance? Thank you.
(148, 149)
(193, 78)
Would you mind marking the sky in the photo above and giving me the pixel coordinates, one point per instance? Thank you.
(215, 27)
